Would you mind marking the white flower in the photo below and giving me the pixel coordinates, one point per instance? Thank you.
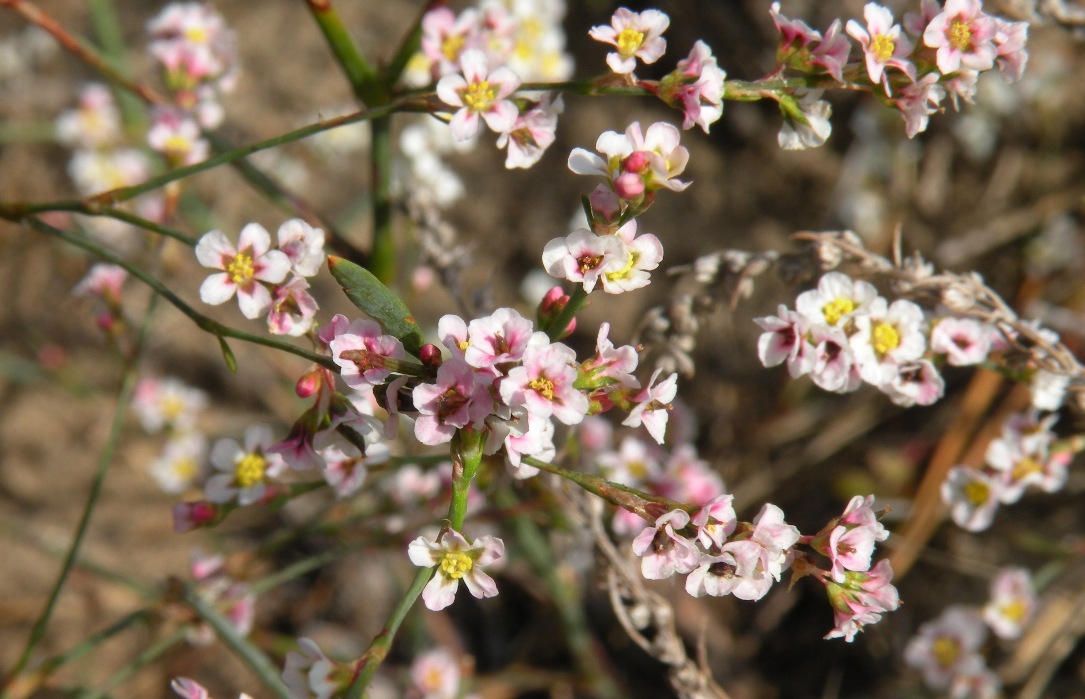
(456, 560)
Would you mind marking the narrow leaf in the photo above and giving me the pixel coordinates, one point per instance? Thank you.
(378, 302)
(228, 354)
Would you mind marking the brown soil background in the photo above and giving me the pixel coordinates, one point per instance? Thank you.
(769, 437)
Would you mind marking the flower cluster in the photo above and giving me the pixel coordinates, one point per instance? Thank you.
(217, 587)
(1025, 455)
(265, 279)
(479, 58)
(914, 63)
(844, 334)
(948, 651)
(695, 86)
(170, 405)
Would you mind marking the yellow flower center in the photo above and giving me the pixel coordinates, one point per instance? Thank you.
(543, 386)
(624, 271)
(1015, 611)
(452, 46)
(882, 47)
(250, 470)
(479, 96)
(946, 651)
(977, 493)
(240, 269)
(1026, 467)
(177, 146)
(960, 35)
(885, 338)
(629, 41)
(172, 408)
(185, 468)
(837, 309)
(197, 35)
(456, 564)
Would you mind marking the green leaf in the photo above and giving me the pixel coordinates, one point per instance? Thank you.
(228, 354)
(378, 302)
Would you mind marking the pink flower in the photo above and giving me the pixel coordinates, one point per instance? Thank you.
(611, 365)
(532, 132)
(715, 521)
(456, 560)
(544, 382)
(663, 551)
(964, 36)
(635, 35)
(861, 599)
(697, 85)
(832, 52)
(498, 338)
(1012, 603)
(794, 34)
(311, 674)
(947, 646)
(775, 537)
(245, 471)
(716, 575)
(347, 466)
(653, 159)
(784, 340)
(652, 406)
(832, 362)
(360, 351)
(436, 674)
(176, 136)
(583, 257)
(1011, 54)
(640, 254)
(973, 497)
(104, 281)
(292, 309)
(304, 245)
(964, 341)
(884, 46)
(244, 268)
(460, 398)
(167, 403)
(850, 549)
(917, 102)
(479, 93)
(445, 36)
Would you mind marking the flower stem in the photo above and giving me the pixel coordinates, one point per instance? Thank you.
(105, 458)
(204, 323)
(382, 254)
(142, 660)
(249, 654)
(363, 79)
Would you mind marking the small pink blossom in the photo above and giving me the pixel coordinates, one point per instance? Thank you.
(663, 551)
(583, 257)
(498, 338)
(360, 351)
(292, 309)
(948, 646)
(104, 281)
(1011, 55)
(244, 268)
(455, 559)
(304, 245)
(715, 521)
(532, 132)
(436, 674)
(964, 36)
(832, 52)
(861, 599)
(460, 398)
(1012, 603)
(964, 341)
(884, 45)
(479, 92)
(697, 86)
(652, 406)
(635, 35)
(445, 36)
(784, 340)
(640, 254)
(611, 365)
(918, 102)
(653, 158)
(973, 497)
(245, 470)
(543, 384)
(176, 136)
(795, 34)
(310, 674)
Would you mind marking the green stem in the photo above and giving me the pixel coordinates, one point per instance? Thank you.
(466, 459)
(566, 598)
(124, 396)
(382, 256)
(556, 327)
(107, 26)
(363, 79)
(636, 501)
(52, 664)
(378, 649)
(408, 47)
(249, 654)
(142, 660)
(203, 322)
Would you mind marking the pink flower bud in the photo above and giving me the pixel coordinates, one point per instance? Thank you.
(309, 384)
(636, 162)
(554, 302)
(430, 355)
(605, 203)
(629, 185)
(192, 515)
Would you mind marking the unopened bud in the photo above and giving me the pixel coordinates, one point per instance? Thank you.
(309, 384)
(636, 162)
(629, 185)
(191, 515)
(430, 355)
